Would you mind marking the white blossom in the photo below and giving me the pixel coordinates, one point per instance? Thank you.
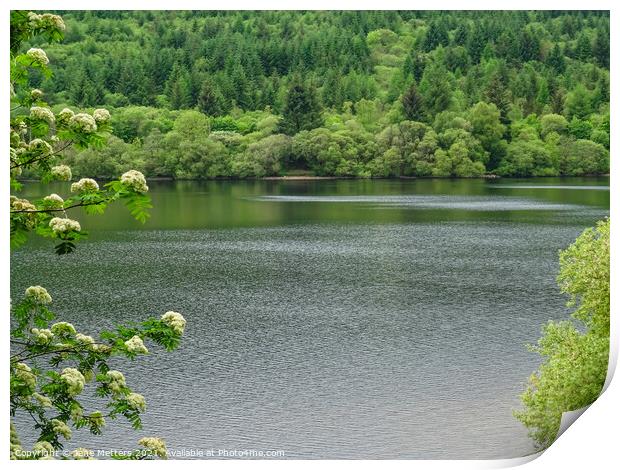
(34, 19)
(97, 419)
(18, 204)
(42, 113)
(40, 145)
(135, 344)
(53, 20)
(101, 348)
(46, 19)
(62, 225)
(54, 201)
(156, 445)
(25, 374)
(135, 180)
(85, 339)
(175, 321)
(35, 94)
(43, 448)
(43, 400)
(63, 328)
(116, 380)
(74, 380)
(39, 294)
(101, 115)
(136, 401)
(85, 185)
(65, 115)
(76, 412)
(42, 335)
(38, 55)
(61, 172)
(61, 428)
(84, 123)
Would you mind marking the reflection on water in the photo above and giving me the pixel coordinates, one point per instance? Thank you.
(549, 186)
(476, 203)
(326, 330)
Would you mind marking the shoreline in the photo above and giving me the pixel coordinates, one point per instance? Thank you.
(331, 178)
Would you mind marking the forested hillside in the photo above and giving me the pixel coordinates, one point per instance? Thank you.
(246, 94)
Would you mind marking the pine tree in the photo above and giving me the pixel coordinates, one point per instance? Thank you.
(437, 35)
(302, 110)
(497, 94)
(210, 99)
(436, 88)
(413, 104)
(583, 49)
(556, 59)
(600, 50)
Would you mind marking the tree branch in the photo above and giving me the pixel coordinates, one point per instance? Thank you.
(36, 159)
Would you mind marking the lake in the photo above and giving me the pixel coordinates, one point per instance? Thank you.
(327, 319)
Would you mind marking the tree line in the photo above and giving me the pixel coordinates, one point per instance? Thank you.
(363, 94)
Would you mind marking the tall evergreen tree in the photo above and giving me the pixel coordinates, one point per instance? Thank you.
(436, 89)
(413, 104)
(555, 59)
(600, 49)
(210, 99)
(302, 109)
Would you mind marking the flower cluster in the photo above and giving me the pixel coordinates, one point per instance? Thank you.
(61, 225)
(74, 379)
(156, 445)
(38, 55)
(76, 410)
(101, 348)
(41, 113)
(135, 180)
(18, 204)
(175, 321)
(61, 172)
(84, 339)
(97, 419)
(85, 185)
(136, 345)
(39, 294)
(61, 428)
(63, 328)
(136, 401)
(116, 381)
(43, 336)
(25, 374)
(16, 447)
(54, 201)
(65, 116)
(43, 450)
(45, 20)
(101, 116)
(43, 400)
(35, 94)
(40, 145)
(84, 123)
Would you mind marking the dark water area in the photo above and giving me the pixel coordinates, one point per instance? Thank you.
(327, 319)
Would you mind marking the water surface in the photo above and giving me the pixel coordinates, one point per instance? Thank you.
(328, 319)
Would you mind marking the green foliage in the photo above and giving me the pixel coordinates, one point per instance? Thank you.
(495, 72)
(302, 110)
(51, 363)
(575, 353)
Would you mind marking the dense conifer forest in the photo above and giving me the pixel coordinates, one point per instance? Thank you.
(361, 94)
